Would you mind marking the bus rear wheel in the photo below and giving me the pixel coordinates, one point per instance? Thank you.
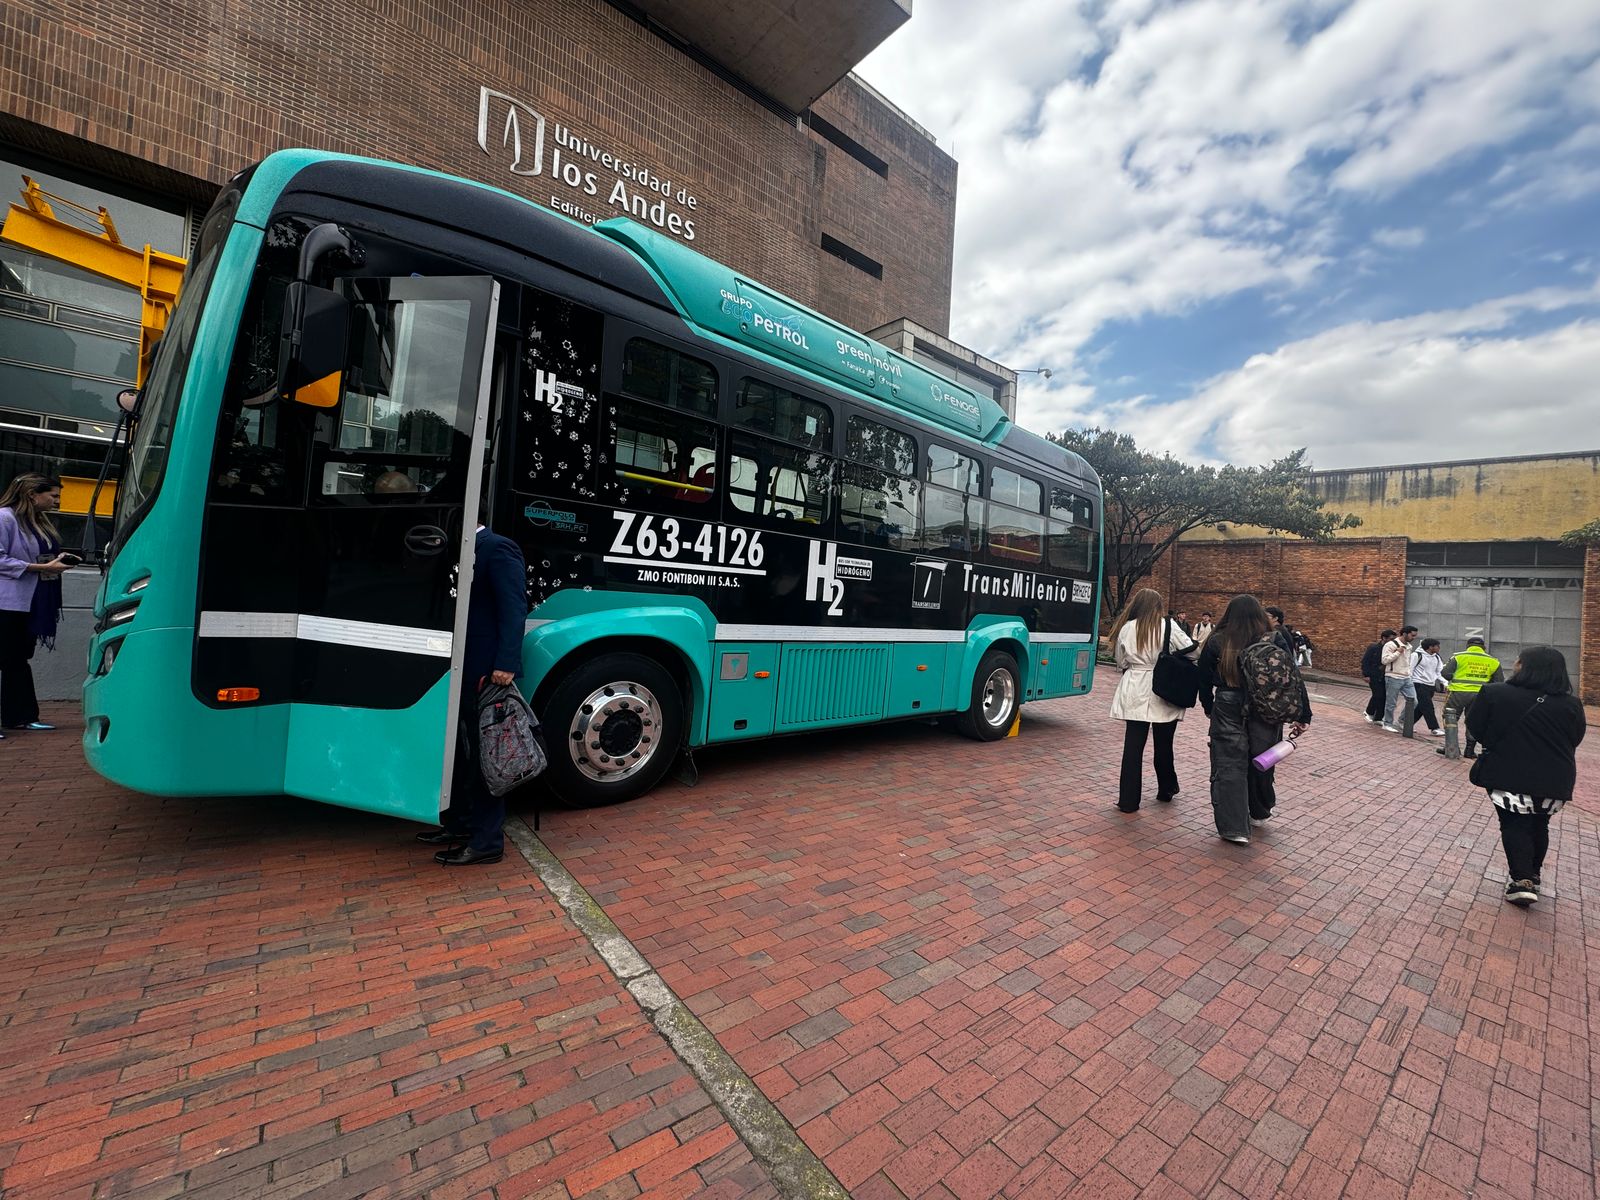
(996, 689)
(613, 726)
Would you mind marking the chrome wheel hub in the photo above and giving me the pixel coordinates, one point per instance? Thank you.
(999, 698)
(615, 731)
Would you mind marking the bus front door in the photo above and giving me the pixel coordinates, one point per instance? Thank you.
(391, 516)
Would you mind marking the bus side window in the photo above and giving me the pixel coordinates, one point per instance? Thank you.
(777, 412)
(779, 485)
(1016, 521)
(651, 371)
(1071, 548)
(661, 459)
(944, 522)
(878, 504)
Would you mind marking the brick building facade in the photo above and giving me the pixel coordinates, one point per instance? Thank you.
(848, 206)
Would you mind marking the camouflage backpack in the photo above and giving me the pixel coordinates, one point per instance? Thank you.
(1272, 681)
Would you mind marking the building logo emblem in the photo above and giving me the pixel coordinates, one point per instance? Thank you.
(585, 172)
(511, 135)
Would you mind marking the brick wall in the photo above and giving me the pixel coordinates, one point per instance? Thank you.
(176, 97)
(1589, 658)
(1343, 594)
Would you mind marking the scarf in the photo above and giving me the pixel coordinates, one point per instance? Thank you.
(45, 611)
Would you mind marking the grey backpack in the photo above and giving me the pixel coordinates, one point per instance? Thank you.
(510, 751)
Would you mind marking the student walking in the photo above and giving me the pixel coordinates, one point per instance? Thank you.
(1241, 796)
(1467, 672)
(1372, 672)
(1139, 636)
(1397, 656)
(1426, 678)
(1530, 729)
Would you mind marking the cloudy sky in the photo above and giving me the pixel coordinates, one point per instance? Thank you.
(1236, 227)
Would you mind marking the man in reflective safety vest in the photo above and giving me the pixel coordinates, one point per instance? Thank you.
(1466, 672)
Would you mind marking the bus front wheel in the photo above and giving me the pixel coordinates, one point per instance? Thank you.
(996, 688)
(613, 726)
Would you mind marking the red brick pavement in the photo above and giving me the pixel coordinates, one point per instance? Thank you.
(960, 972)
(269, 999)
(955, 967)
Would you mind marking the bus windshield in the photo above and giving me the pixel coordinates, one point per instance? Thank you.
(158, 404)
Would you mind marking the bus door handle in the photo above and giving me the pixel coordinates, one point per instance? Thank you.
(426, 540)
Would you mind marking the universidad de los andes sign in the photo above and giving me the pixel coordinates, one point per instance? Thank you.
(581, 172)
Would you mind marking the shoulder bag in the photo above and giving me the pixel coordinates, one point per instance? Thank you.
(1176, 677)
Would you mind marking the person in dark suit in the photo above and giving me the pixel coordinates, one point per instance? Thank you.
(497, 608)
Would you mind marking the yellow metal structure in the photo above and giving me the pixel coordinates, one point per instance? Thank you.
(155, 275)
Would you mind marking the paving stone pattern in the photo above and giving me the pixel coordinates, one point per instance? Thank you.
(960, 972)
(269, 999)
(956, 968)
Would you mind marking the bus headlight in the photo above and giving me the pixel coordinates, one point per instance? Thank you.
(108, 655)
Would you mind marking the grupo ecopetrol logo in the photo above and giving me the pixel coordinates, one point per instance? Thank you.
(960, 403)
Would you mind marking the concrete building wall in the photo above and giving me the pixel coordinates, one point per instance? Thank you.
(1518, 499)
(177, 97)
(1589, 656)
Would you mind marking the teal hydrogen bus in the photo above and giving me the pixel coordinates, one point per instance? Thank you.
(740, 518)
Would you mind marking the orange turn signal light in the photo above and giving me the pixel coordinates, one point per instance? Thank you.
(1044, 662)
(235, 695)
(763, 674)
(922, 666)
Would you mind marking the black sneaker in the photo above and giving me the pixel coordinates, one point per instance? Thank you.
(1469, 754)
(1522, 892)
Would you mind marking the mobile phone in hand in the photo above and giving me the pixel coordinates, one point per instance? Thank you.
(69, 558)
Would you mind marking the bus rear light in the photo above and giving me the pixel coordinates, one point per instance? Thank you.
(238, 695)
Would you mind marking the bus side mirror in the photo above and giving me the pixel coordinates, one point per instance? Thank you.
(316, 323)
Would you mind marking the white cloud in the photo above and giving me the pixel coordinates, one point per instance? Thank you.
(1435, 386)
(1136, 158)
(1399, 239)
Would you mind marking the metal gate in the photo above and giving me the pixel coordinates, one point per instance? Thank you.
(1510, 612)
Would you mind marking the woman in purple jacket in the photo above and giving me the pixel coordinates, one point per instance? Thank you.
(31, 566)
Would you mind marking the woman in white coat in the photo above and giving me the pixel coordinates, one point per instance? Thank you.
(1137, 644)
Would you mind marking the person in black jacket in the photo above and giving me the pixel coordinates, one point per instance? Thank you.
(1240, 795)
(497, 609)
(1372, 668)
(1530, 728)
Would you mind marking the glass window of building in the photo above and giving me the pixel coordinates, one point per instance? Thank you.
(69, 340)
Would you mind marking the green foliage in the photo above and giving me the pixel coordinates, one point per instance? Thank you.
(1154, 499)
(1584, 535)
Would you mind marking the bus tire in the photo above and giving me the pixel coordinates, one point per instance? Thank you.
(613, 726)
(996, 692)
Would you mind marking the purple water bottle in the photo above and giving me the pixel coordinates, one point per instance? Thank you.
(1273, 755)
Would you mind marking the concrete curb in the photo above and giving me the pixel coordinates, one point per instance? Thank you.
(795, 1171)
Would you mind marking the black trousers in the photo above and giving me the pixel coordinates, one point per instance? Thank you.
(18, 703)
(1131, 785)
(1238, 790)
(1425, 706)
(1526, 838)
(474, 812)
(1375, 705)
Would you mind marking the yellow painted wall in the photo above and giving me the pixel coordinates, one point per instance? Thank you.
(1512, 499)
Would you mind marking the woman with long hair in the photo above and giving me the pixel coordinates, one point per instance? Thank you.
(1137, 641)
(1529, 727)
(31, 566)
(1240, 795)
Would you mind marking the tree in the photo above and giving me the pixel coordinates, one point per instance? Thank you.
(1152, 500)
(1584, 535)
